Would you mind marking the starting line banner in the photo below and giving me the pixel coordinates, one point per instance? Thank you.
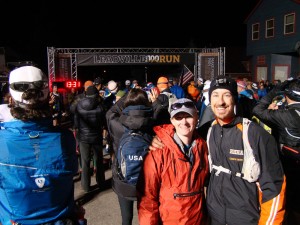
(134, 59)
(206, 63)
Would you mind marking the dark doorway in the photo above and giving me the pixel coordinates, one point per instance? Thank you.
(143, 73)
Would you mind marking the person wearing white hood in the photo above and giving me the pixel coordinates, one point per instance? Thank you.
(205, 113)
(37, 161)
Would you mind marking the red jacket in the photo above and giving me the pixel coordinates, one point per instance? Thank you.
(171, 186)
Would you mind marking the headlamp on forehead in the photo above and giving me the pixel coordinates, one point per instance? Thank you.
(222, 82)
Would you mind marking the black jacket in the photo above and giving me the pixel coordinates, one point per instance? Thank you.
(114, 122)
(90, 116)
(163, 114)
(138, 118)
(284, 121)
(231, 199)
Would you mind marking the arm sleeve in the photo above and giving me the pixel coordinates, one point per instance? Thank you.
(148, 187)
(273, 210)
(272, 181)
(269, 116)
(113, 123)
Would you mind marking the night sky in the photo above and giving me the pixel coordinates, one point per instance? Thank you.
(28, 28)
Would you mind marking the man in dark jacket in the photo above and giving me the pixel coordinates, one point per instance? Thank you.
(285, 121)
(78, 97)
(163, 99)
(234, 199)
(90, 116)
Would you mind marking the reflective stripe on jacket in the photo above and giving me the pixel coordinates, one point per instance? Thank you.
(233, 200)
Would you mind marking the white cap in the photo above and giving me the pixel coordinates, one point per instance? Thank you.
(254, 86)
(27, 74)
(200, 79)
(206, 85)
(112, 86)
(205, 91)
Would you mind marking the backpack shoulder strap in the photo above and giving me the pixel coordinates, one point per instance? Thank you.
(172, 98)
(246, 123)
(167, 94)
(207, 141)
(251, 168)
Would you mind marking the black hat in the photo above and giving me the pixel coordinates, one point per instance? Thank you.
(292, 90)
(91, 91)
(97, 81)
(224, 82)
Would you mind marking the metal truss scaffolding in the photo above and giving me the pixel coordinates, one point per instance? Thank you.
(53, 53)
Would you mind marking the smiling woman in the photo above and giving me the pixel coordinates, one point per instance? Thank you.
(184, 154)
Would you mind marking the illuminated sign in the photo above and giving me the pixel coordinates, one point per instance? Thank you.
(134, 59)
(72, 84)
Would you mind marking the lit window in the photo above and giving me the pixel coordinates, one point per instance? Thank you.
(255, 31)
(270, 28)
(289, 23)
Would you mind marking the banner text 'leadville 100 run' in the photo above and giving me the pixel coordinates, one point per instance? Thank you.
(100, 59)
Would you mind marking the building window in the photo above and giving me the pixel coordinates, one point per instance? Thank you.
(255, 31)
(270, 28)
(281, 72)
(261, 73)
(289, 23)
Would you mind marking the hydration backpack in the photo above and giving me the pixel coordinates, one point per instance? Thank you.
(251, 168)
(36, 173)
(128, 162)
(172, 98)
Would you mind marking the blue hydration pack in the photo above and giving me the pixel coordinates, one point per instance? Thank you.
(129, 159)
(37, 165)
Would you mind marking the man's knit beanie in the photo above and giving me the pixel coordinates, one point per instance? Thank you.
(224, 82)
(91, 91)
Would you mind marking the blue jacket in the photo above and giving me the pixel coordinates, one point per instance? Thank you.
(178, 91)
(37, 165)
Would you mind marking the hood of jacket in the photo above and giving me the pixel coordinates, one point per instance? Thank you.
(89, 103)
(137, 117)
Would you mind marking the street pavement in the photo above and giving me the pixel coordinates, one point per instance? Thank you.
(101, 207)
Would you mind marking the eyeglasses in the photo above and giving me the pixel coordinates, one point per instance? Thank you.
(176, 106)
(24, 86)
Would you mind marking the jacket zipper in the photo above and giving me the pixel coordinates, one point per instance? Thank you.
(189, 177)
(174, 167)
(187, 194)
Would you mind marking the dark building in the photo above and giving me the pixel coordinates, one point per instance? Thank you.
(273, 39)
